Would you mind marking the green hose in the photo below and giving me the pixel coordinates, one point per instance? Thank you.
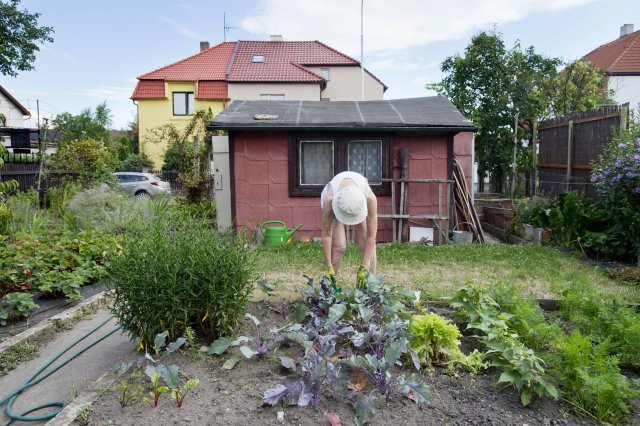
(33, 380)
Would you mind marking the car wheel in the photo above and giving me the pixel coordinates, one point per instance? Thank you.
(142, 195)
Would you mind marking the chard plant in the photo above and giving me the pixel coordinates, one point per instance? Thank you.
(179, 394)
(125, 397)
(157, 390)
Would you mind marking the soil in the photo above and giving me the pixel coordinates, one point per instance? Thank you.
(234, 397)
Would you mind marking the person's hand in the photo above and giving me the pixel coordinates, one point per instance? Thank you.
(331, 275)
(362, 277)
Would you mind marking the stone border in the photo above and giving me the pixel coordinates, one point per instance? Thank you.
(93, 303)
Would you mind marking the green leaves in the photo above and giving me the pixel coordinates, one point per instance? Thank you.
(366, 407)
(287, 362)
(335, 313)
(219, 346)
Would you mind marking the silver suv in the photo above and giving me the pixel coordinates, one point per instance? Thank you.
(142, 184)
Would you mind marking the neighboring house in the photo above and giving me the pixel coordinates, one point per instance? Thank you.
(247, 70)
(620, 62)
(282, 153)
(13, 134)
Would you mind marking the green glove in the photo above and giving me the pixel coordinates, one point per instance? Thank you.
(362, 277)
(331, 275)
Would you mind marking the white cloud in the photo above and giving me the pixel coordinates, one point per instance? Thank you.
(399, 65)
(185, 31)
(389, 26)
(109, 93)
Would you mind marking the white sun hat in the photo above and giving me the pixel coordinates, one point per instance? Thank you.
(350, 206)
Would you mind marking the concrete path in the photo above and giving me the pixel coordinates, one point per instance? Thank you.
(76, 377)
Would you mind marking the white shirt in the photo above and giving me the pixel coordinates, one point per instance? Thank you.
(360, 181)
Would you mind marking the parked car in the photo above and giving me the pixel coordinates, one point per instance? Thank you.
(142, 184)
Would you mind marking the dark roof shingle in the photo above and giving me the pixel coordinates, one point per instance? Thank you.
(435, 112)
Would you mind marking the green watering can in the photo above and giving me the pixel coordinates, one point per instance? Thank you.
(276, 235)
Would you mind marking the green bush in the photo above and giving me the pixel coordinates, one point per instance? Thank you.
(136, 163)
(591, 380)
(181, 273)
(15, 305)
(5, 218)
(436, 341)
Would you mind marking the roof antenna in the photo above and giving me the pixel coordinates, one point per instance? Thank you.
(226, 27)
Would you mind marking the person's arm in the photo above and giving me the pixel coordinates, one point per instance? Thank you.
(372, 229)
(327, 229)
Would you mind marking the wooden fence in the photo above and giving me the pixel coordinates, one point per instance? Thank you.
(26, 174)
(568, 145)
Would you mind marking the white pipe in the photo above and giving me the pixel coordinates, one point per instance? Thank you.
(362, 48)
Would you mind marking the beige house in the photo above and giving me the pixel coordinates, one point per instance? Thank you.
(247, 70)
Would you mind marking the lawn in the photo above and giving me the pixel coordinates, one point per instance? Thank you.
(440, 271)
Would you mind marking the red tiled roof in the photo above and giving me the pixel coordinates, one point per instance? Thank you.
(149, 89)
(210, 64)
(619, 56)
(15, 101)
(215, 90)
(283, 60)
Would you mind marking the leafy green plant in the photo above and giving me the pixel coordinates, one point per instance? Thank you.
(136, 163)
(179, 394)
(179, 273)
(436, 341)
(89, 159)
(125, 396)
(157, 390)
(522, 368)
(592, 382)
(15, 305)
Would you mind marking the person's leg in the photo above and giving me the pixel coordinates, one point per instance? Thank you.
(338, 244)
(361, 237)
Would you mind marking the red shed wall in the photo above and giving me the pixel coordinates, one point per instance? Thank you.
(261, 189)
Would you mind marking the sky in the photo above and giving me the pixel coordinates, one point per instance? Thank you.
(100, 47)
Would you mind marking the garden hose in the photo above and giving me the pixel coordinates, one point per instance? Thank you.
(33, 380)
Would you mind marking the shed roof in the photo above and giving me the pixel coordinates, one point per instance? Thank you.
(428, 113)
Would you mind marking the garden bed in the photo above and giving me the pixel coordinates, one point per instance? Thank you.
(234, 397)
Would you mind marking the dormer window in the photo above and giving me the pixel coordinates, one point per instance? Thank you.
(257, 59)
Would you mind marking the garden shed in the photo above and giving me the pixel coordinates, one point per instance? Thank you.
(282, 153)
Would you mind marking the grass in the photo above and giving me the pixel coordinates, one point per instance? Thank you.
(21, 352)
(539, 271)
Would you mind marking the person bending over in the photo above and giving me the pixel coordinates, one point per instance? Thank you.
(348, 200)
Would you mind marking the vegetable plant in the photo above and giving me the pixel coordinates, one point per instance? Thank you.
(15, 305)
(179, 394)
(436, 341)
(157, 390)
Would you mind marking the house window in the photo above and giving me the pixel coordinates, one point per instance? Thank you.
(183, 103)
(272, 97)
(257, 59)
(315, 159)
(324, 72)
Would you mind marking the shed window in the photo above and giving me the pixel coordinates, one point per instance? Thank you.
(315, 159)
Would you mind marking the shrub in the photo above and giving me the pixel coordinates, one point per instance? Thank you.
(181, 273)
(5, 218)
(89, 159)
(436, 341)
(136, 163)
(616, 176)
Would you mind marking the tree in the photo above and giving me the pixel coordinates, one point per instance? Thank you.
(86, 125)
(88, 158)
(491, 85)
(136, 163)
(190, 150)
(19, 33)
(580, 86)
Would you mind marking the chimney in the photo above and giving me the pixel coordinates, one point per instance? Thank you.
(276, 37)
(204, 45)
(626, 29)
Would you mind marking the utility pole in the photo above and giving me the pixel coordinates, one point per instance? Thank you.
(515, 150)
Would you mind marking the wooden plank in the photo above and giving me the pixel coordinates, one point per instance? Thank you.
(579, 121)
(564, 166)
(569, 154)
